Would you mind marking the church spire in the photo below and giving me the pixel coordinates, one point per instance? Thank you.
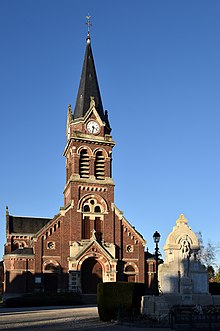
(88, 86)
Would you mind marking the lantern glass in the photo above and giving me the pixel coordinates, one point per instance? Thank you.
(156, 237)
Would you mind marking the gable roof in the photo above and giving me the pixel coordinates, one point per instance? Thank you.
(26, 225)
(119, 213)
(23, 251)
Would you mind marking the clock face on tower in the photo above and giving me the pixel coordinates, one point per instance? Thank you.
(93, 127)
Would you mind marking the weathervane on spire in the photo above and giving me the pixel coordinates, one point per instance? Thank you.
(88, 23)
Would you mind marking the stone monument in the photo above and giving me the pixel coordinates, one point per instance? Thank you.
(183, 280)
(182, 275)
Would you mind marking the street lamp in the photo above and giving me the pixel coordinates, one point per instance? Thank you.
(156, 237)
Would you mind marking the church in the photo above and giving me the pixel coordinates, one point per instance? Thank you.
(89, 240)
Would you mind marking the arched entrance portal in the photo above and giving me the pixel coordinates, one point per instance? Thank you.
(91, 275)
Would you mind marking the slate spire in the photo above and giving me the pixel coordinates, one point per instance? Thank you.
(88, 86)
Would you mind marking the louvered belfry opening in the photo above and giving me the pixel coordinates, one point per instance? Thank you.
(99, 166)
(84, 164)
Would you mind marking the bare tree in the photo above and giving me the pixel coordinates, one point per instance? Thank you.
(217, 276)
(207, 254)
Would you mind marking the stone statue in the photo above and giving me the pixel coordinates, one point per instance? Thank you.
(92, 102)
(185, 249)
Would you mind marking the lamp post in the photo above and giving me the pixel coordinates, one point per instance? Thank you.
(156, 237)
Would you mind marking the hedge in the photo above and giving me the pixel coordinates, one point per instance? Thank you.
(120, 299)
(36, 300)
(214, 288)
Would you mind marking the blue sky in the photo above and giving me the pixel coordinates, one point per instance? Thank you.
(159, 74)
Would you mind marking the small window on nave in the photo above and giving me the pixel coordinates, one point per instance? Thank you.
(52, 268)
(129, 268)
(15, 246)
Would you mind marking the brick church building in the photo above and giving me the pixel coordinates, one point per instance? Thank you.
(89, 240)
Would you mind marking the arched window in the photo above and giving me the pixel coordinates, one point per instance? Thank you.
(90, 221)
(84, 164)
(51, 268)
(129, 268)
(92, 206)
(86, 208)
(15, 246)
(130, 274)
(97, 209)
(99, 166)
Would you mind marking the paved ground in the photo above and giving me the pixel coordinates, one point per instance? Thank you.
(59, 318)
(75, 318)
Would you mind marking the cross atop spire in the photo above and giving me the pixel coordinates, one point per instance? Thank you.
(88, 23)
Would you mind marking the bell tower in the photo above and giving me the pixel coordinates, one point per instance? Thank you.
(89, 185)
(98, 244)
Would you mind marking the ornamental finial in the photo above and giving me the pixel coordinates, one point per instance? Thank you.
(88, 23)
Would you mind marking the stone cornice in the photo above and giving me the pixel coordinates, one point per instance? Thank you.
(85, 138)
(15, 256)
(89, 181)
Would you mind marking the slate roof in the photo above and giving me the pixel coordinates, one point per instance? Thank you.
(88, 87)
(21, 224)
(23, 251)
(149, 256)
